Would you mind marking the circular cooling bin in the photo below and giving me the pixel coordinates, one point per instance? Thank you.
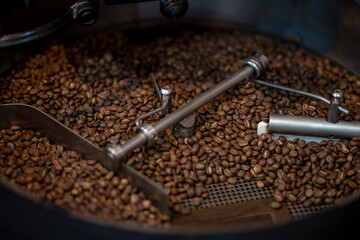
(328, 28)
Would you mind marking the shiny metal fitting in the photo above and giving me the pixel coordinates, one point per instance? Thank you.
(258, 62)
(149, 132)
(166, 92)
(186, 127)
(334, 112)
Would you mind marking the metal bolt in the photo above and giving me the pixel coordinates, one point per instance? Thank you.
(85, 11)
(173, 9)
(334, 112)
(166, 92)
(337, 94)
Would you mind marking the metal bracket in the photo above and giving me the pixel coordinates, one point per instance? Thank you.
(164, 96)
(334, 113)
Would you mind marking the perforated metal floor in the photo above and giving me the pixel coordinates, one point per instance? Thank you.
(224, 194)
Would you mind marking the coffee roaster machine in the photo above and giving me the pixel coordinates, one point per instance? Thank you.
(329, 28)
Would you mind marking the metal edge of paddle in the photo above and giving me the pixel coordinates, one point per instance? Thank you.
(30, 117)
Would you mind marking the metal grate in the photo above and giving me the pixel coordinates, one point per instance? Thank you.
(297, 210)
(224, 194)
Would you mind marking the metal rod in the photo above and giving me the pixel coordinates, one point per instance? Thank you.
(255, 64)
(148, 114)
(155, 86)
(325, 100)
(119, 152)
(311, 126)
(203, 99)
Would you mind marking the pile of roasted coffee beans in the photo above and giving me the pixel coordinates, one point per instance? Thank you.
(99, 84)
(64, 178)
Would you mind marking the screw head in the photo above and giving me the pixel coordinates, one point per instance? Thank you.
(173, 9)
(85, 12)
(337, 93)
(166, 90)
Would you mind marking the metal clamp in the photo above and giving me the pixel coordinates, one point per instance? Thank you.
(150, 133)
(334, 113)
(165, 97)
(258, 62)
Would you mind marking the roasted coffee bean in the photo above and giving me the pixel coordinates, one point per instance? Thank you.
(275, 205)
(232, 180)
(196, 201)
(260, 184)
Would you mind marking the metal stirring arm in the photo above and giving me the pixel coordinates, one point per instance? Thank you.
(331, 127)
(30, 117)
(253, 65)
(164, 95)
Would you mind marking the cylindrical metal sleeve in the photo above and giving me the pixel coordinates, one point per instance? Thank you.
(203, 99)
(311, 126)
(120, 151)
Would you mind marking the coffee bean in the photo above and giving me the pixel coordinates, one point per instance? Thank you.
(185, 211)
(232, 180)
(257, 168)
(228, 173)
(243, 143)
(199, 166)
(260, 184)
(293, 153)
(196, 201)
(275, 205)
(109, 175)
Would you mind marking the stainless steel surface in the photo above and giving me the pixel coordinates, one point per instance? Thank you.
(30, 117)
(119, 152)
(263, 128)
(334, 114)
(83, 11)
(258, 62)
(318, 97)
(221, 194)
(331, 28)
(150, 133)
(311, 126)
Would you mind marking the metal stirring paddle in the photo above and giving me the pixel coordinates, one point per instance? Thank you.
(112, 157)
(30, 117)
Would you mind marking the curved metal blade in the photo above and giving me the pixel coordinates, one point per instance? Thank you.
(30, 117)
